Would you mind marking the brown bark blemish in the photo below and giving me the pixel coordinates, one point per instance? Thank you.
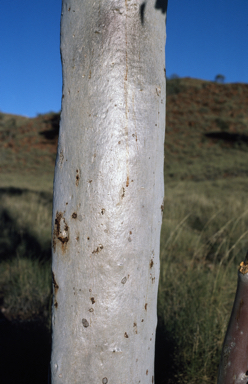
(127, 182)
(151, 263)
(98, 249)
(162, 208)
(124, 280)
(55, 290)
(74, 215)
(60, 231)
(55, 285)
(135, 328)
(126, 335)
(146, 306)
(77, 177)
(92, 300)
(102, 211)
(146, 372)
(85, 323)
(104, 380)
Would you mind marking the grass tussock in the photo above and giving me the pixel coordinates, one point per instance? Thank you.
(25, 256)
(27, 287)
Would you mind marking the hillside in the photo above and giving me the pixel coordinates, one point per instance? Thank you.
(206, 135)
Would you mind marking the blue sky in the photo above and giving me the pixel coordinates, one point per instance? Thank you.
(204, 38)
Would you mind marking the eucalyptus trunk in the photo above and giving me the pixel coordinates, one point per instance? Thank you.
(233, 367)
(108, 191)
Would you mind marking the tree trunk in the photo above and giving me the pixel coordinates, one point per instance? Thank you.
(108, 191)
(233, 367)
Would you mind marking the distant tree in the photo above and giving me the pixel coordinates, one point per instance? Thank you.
(219, 79)
(174, 76)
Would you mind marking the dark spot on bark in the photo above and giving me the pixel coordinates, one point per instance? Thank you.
(74, 215)
(92, 300)
(102, 211)
(77, 238)
(123, 192)
(55, 290)
(126, 335)
(77, 177)
(119, 142)
(60, 231)
(162, 208)
(130, 232)
(146, 372)
(55, 285)
(104, 380)
(142, 12)
(153, 280)
(88, 238)
(85, 323)
(66, 203)
(146, 306)
(69, 9)
(98, 249)
(90, 181)
(151, 263)
(63, 96)
(135, 326)
(124, 280)
(142, 320)
(91, 310)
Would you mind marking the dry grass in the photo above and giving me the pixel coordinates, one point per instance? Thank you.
(204, 237)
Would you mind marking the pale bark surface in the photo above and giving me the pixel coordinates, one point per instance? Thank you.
(108, 192)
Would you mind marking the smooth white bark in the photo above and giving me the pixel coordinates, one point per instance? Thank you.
(108, 192)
